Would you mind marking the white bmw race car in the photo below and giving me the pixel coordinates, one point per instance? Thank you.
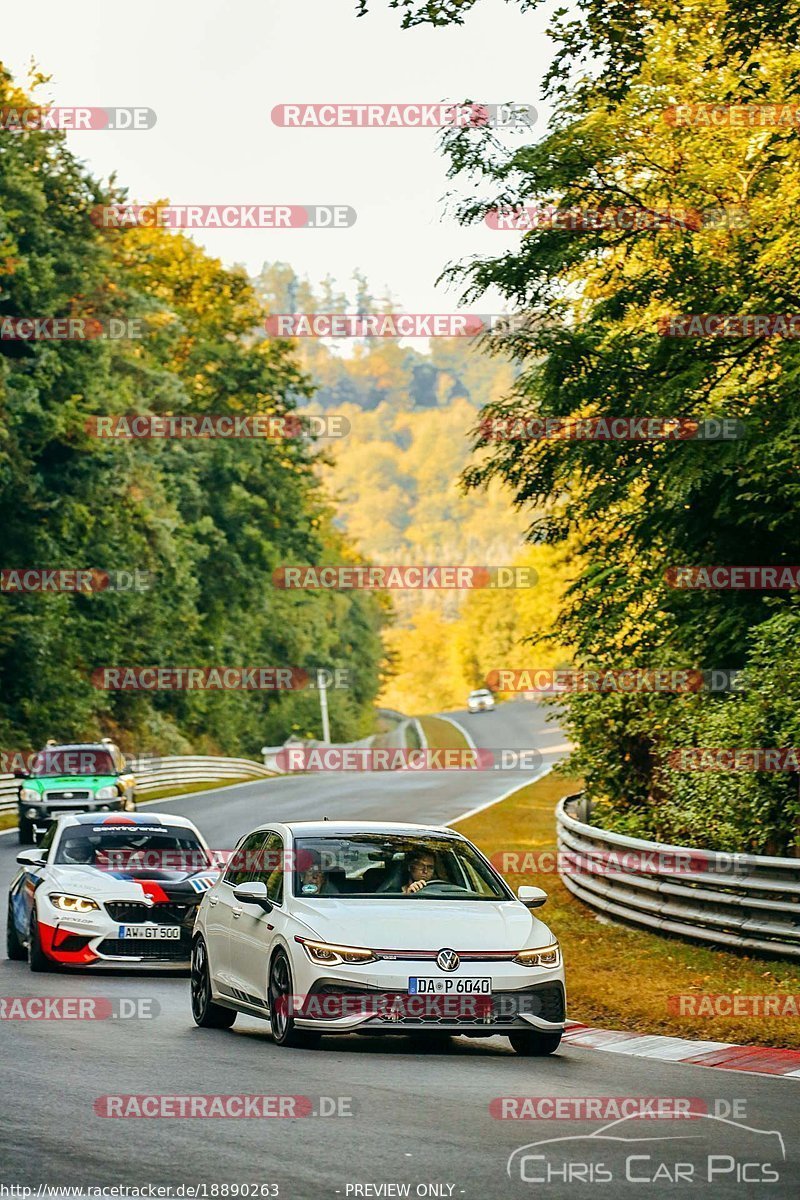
(112, 889)
(340, 927)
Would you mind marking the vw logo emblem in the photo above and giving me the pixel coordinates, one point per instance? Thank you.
(448, 960)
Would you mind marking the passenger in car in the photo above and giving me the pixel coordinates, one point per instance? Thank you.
(315, 882)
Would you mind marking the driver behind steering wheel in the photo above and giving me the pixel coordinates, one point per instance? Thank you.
(421, 870)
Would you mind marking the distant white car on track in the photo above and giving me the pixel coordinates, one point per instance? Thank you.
(338, 927)
(112, 889)
(481, 700)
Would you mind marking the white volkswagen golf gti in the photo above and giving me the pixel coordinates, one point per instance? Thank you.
(338, 927)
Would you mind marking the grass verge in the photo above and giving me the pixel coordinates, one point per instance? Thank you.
(619, 977)
(442, 735)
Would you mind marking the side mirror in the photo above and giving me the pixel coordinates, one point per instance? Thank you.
(20, 774)
(32, 858)
(532, 897)
(254, 893)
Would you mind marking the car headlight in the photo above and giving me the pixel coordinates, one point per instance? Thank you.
(107, 793)
(324, 952)
(30, 796)
(79, 904)
(545, 956)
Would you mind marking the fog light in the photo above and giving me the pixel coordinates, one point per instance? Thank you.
(104, 808)
(31, 812)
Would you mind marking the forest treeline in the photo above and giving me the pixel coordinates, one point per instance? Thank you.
(687, 112)
(204, 522)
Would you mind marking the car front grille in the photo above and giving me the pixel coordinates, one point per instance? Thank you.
(166, 951)
(134, 912)
(67, 796)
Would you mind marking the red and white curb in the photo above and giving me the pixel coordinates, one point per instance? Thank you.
(760, 1060)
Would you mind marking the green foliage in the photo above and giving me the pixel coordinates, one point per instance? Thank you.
(207, 520)
(592, 348)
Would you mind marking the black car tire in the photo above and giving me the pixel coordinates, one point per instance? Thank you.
(281, 1022)
(205, 1012)
(37, 959)
(536, 1044)
(14, 947)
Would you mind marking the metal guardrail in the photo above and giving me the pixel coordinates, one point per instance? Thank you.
(741, 901)
(164, 772)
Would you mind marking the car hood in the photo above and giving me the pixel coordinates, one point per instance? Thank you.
(131, 885)
(424, 924)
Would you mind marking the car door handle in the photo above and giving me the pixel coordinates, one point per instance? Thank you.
(237, 912)
(212, 900)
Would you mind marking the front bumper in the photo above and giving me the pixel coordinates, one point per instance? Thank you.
(92, 939)
(377, 999)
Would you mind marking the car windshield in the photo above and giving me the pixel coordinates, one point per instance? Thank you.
(133, 847)
(72, 760)
(391, 866)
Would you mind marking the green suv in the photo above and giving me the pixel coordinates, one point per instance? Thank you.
(80, 777)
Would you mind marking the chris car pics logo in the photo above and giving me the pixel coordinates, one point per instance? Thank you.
(655, 1153)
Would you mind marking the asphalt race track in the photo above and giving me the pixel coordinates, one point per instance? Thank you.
(409, 1117)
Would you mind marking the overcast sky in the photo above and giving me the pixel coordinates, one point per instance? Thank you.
(214, 69)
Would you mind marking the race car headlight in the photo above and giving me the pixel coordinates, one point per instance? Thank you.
(323, 952)
(30, 796)
(78, 904)
(107, 793)
(546, 956)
